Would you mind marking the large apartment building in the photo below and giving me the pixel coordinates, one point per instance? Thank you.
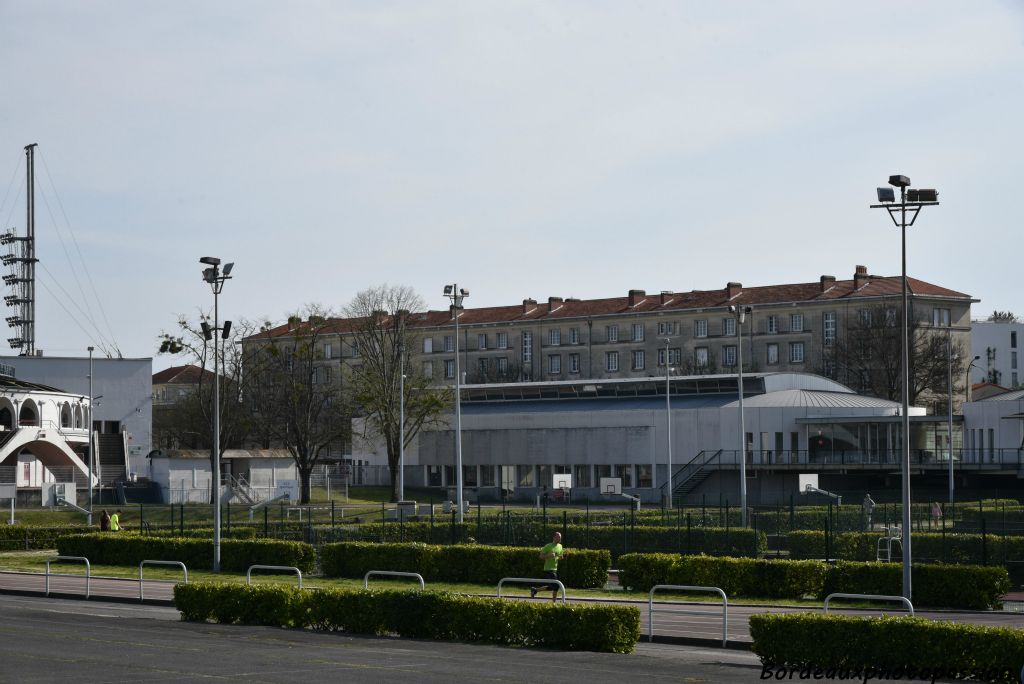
(797, 327)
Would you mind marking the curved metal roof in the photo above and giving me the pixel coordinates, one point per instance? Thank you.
(793, 398)
(1015, 395)
(9, 383)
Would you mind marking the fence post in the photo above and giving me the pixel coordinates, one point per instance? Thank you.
(227, 507)
(452, 528)
(266, 522)
(688, 538)
(181, 519)
(478, 520)
(332, 515)
(753, 520)
(703, 508)
(382, 522)
(984, 543)
(625, 542)
(565, 523)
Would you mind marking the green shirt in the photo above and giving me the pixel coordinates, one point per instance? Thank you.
(115, 523)
(551, 564)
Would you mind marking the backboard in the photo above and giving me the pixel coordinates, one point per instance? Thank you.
(804, 479)
(611, 486)
(561, 481)
(8, 491)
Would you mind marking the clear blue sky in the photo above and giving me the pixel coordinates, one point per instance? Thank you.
(522, 149)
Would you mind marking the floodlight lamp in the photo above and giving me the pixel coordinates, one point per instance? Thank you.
(928, 195)
(464, 292)
(228, 267)
(899, 181)
(210, 261)
(210, 274)
(447, 290)
(886, 195)
(207, 331)
(226, 330)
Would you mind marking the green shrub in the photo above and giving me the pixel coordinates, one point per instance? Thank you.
(967, 587)
(835, 643)
(31, 537)
(743, 577)
(474, 564)
(236, 532)
(123, 548)
(416, 614)
(930, 546)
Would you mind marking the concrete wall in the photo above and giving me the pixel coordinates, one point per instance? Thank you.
(993, 343)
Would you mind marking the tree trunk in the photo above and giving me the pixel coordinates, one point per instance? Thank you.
(304, 484)
(393, 468)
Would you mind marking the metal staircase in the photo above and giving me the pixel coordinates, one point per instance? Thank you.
(111, 458)
(690, 476)
(240, 490)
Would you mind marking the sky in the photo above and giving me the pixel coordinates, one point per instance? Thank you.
(519, 149)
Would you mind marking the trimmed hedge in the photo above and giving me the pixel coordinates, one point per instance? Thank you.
(236, 532)
(746, 577)
(966, 587)
(950, 548)
(31, 537)
(885, 647)
(123, 548)
(710, 540)
(416, 614)
(474, 564)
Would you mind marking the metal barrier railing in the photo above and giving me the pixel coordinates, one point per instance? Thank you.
(248, 573)
(142, 596)
(535, 581)
(88, 571)
(681, 587)
(391, 573)
(872, 597)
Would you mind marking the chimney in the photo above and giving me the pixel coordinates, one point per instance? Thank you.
(528, 305)
(665, 296)
(827, 282)
(554, 303)
(636, 296)
(732, 289)
(860, 277)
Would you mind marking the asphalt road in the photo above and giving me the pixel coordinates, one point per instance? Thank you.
(46, 640)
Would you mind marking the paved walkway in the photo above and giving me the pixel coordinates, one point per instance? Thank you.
(680, 620)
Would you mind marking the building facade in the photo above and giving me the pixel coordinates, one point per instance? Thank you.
(998, 346)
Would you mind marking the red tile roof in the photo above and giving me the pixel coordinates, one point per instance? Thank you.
(180, 375)
(862, 287)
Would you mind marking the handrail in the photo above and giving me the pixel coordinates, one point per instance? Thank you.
(677, 479)
(248, 573)
(527, 580)
(392, 573)
(88, 571)
(873, 597)
(681, 587)
(159, 562)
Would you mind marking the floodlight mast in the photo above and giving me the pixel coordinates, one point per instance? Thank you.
(901, 209)
(456, 294)
(740, 313)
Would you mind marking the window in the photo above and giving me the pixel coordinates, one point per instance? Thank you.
(611, 361)
(469, 476)
(611, 333)
(524, 473)
(830, 369)
(328, 350)
(502, 341)
(666, 328)
(828, 327)
(574, 363)
(940, 318)
(638, 359)
(486, 476)
(729, 326)
(675, 356)
(700, 356)
(865, 317)
(554, 337)
(527, 347)
(796, 352)
(1013, 359)
(449, 369)
(1013, 339)
(638, 332)
(625, 472)
(481, 341)
(1013, 379)
(890, 317)
(428, 369)
(644, 476)
(700, 328)
(729, 355)
(581, 476)
(502, 365)
(481, 365)
(661, 357)
(574, 335)
(449, 343)
(796, 322)
(433, 476)
(428, 345)
(327, 375)
(555, 364)
(772, 323)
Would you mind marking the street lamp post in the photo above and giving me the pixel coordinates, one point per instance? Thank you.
(740, 313)
(668, 418)
(401, 424)
(915, 200)
(216, 278)
(949, 381)
(457, 294)
(91, 456)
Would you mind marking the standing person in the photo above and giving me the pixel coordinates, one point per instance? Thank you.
(104, 521)
(936, 513)
(550, 554)
(869, 507)
(115, 521)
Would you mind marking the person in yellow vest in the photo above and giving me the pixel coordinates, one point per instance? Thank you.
(115, 521)
(550, 554)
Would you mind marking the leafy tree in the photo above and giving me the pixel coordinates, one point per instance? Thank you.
(1003, 317)
(294, 393)
(381, 327)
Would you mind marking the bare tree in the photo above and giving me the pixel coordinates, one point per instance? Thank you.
(294, 392)
(867, 356)
(1003, 317)
(381, 328)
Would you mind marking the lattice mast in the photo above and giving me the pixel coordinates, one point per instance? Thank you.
(22, 262)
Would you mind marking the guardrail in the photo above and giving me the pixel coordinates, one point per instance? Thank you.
(392, 573)
(248, 573)
(88, 571)
(681, 587)
(873, 597)
(534, 581)
(179, 564)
